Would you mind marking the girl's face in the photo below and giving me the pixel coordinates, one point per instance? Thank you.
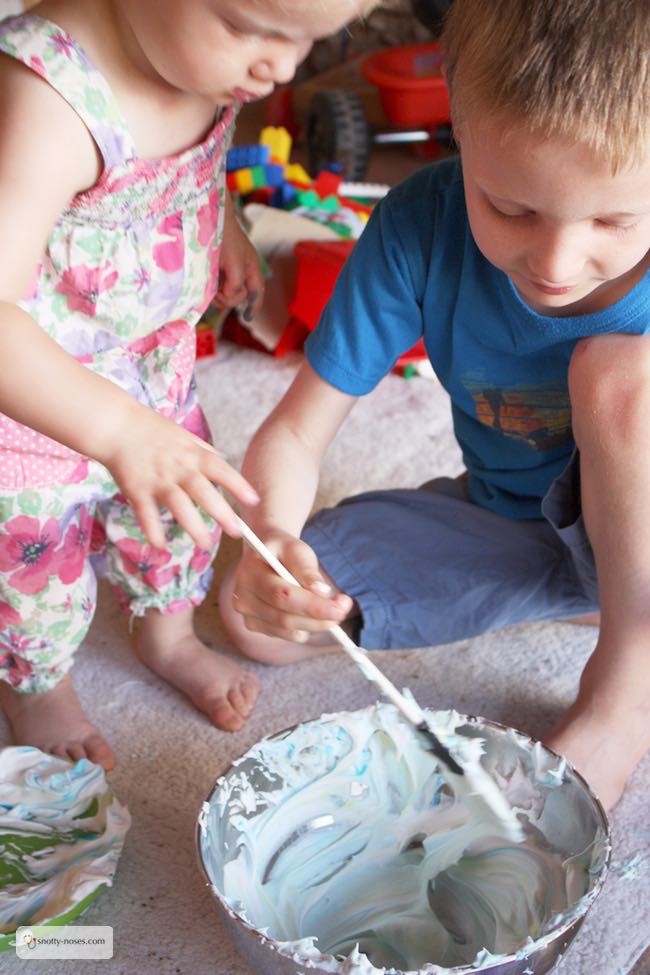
(229, 50)
(571, 236)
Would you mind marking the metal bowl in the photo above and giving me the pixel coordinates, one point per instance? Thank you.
(252, 789)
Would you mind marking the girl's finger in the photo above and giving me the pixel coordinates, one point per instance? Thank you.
(200, 442)
(231, 294)
(188, 516)
(148, 515)
(203, 492)
(216, 469)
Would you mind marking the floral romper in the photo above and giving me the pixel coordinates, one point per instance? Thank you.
(129, 268)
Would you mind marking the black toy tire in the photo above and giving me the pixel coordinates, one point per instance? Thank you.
(338, 131)
(431, 13)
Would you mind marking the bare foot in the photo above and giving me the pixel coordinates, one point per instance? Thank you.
(270, 650)
(589, 619)
(55, 722)
(605, 752)
(216, 685)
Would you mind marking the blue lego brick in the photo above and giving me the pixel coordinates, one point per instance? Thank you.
(283, 196)
(244, 157)
(274, 174)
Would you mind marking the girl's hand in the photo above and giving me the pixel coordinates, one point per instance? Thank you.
(270, 605)
(156, 462)
(241, 281)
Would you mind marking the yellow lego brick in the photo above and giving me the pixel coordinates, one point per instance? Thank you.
(244, 181)
(295, 173)
(279, 142)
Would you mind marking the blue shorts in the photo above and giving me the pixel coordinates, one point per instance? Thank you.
(428, 566)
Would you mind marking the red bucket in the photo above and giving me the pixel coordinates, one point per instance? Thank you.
(411, 87)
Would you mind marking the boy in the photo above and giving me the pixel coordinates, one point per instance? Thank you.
(525, 266)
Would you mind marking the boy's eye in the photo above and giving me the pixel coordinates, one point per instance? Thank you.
(504, 211)
(620, 228)
(235, 30)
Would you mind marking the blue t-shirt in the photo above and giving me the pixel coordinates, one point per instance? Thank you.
(416, 271)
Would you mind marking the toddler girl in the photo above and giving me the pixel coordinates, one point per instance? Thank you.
(115, 234)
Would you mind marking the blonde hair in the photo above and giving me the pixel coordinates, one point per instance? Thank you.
(578, 69)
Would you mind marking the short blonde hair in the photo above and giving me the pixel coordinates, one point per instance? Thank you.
(578, 69)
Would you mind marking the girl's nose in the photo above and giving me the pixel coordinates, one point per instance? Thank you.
(279, 61)
(556, 256)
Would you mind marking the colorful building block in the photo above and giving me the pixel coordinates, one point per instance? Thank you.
(244, 181)
(283, 196)
(278, 141)
(273, 174)
(327, 183)
(206, 342)
(240, 181)
(330, 204)
(295, 173)
(307, 198)
(243, 157)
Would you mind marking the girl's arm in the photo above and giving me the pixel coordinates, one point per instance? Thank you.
(46, 157)
(283, 463)
(241, 281)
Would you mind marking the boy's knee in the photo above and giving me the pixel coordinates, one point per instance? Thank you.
(609, 387)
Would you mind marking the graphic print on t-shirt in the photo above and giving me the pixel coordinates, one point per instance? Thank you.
(540, 415)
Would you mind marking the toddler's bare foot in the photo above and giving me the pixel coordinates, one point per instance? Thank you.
(55, 722)
(215, 685)
(605, 752)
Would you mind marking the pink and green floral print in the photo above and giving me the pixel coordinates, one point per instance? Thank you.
(54, 544)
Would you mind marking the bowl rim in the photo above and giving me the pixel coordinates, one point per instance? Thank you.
(521, 954)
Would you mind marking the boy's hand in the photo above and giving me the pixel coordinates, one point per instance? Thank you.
(156, 462)
(241, 281)
(272, 606)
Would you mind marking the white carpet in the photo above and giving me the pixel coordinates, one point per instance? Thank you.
(169, 757)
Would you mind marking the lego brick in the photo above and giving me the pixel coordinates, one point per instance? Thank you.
(327, 183)
(308, 198)
(244, 182)
(206, 342)
(283, 195)
(330, 204)
(262, 195)
(243, 157)
(294, 173)
(278, 141)
(274, 174)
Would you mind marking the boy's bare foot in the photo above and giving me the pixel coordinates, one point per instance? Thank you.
(604, 750)
(606, 731)
(216, 685)
(589, 619)
(55, 722)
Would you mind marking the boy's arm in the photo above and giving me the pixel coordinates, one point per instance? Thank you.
(283, 463)
(46, 156)
(374, 314)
